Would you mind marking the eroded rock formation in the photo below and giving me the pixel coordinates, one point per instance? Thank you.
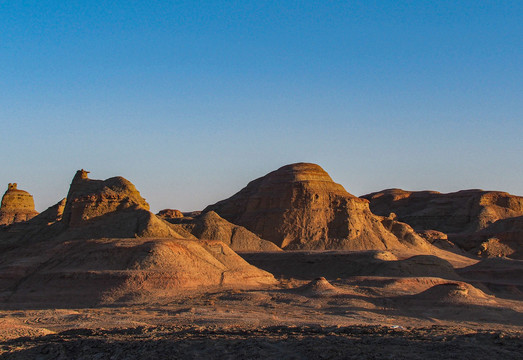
(103, 245)
(464, 211)
(487, 223)
(299, 207)
(210, 226)
(17, 206)
(170, 214)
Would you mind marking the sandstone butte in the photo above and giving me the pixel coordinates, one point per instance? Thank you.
(299, 206)
(17, 206)
(488, 223)
(102, 245)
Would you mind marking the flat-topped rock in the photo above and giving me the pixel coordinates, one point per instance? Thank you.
(17, 206)
(464, 211)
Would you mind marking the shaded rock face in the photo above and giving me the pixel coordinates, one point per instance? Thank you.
(460, 212)
(210, 226)
(299, 207)
(486, 223)
(17, 206)
(502, 238)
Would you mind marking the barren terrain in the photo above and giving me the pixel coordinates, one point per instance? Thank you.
(371, 315)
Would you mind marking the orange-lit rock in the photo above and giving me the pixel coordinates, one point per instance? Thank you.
(17, 206)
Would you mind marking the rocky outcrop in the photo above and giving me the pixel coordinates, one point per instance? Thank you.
(111, 208)
(210, 226)
(170, 214)
(486, 223)
(17, 206)
(502, 238)
(299, 207)
(102, 245)
(464, 211)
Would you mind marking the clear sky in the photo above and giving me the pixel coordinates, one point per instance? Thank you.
(190, 100)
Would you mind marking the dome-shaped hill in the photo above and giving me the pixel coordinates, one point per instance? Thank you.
(299, 206)
(455, 293)
(104, 271)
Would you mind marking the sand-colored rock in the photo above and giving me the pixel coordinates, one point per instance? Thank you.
(89, 199)
(17, 206)
(299, 206)
(464, 211)
(210, 226)
(486, 223)
(107, 271)
(455, 293)
(318, 287)
(111, 208)
(170, 214)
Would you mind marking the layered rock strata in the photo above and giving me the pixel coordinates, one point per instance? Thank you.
(299, 206)
(486, 223)
(210, 226)
(17, 206)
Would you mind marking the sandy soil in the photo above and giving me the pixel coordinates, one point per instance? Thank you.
(453, 314)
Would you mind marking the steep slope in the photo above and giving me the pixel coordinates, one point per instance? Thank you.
(299, 207)
(102, 245)
(17, 206)
(111, 208)
(210, 226)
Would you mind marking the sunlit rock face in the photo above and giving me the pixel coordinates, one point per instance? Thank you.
(464, 211)
(486, 223)
(17, 206)
(299, 206)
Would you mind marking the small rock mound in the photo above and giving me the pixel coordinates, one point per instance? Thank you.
(17, 206)
(318, 287)
(170, 214)
(455, 292)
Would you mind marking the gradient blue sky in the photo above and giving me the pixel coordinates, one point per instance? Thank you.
(190, 100)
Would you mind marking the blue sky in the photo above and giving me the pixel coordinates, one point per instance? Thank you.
(190, 100)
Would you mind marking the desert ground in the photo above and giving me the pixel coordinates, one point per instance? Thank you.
(291, 267)
(404, 316)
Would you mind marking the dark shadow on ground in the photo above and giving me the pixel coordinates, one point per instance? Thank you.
(354, 342)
